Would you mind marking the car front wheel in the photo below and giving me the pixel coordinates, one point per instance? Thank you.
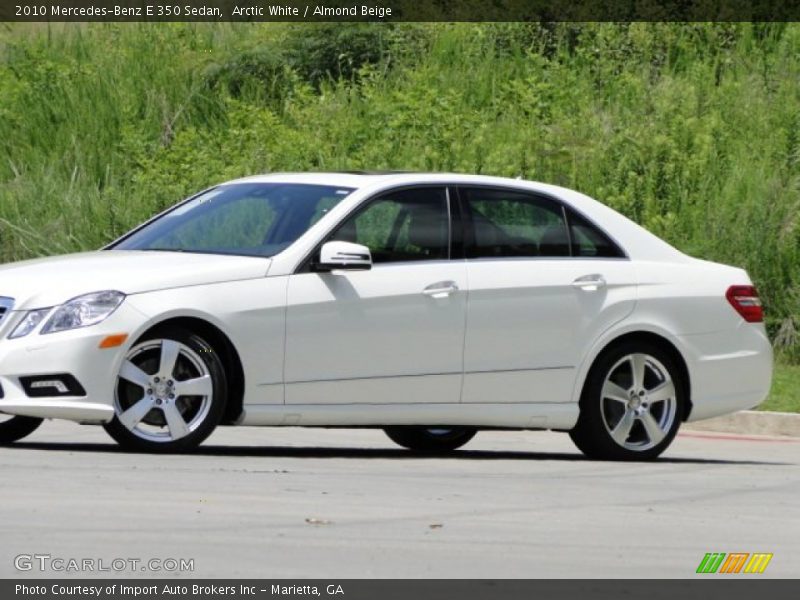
(170, 393)
(631, 405)
(431, 440)
(16, 428)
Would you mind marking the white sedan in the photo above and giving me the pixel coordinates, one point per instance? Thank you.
(429, 305)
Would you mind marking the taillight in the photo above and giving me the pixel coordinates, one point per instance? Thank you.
(744, 299)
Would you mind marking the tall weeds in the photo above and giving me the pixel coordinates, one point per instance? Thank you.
(693, 130)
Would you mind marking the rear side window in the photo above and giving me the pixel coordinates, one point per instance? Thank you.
(508, 223)
(589, 241)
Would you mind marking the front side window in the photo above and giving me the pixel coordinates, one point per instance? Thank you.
(251, 219)
(407, 225)
(508, 223)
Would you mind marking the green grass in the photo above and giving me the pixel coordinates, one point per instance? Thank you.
(691, 129)
(785, 393)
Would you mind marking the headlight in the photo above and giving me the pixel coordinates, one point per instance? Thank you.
(29, 322)
(83, 311)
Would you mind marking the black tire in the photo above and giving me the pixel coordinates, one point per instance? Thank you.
(430, 440)
(592, 434)
(16, 428)
(210, 414)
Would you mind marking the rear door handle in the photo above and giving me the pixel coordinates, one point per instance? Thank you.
(590, 283)
(440, 289)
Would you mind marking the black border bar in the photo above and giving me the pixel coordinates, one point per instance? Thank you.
(397, 10)
(701, 588)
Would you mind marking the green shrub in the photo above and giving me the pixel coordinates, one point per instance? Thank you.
(691, 129)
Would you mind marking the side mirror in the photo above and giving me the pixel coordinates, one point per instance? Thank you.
(343, 256)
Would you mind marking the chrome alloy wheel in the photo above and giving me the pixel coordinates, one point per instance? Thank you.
(164, 391)
(638, 402)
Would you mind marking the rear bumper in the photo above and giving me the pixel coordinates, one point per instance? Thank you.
(729, 370)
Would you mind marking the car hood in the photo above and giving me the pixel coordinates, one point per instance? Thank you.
(51, 281)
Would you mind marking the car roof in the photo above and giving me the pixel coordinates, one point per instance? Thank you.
(361, 179)
(378, 179)
(350, 179)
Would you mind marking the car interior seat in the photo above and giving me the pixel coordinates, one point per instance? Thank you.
(427, 229)
(554, 241)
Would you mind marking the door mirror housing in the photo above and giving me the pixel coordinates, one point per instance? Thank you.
(343, 256)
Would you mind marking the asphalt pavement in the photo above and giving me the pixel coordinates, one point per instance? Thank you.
(314, 503)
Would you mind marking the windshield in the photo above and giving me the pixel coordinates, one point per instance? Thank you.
(252, 219)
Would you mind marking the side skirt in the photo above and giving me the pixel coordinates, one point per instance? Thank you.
(516, 415)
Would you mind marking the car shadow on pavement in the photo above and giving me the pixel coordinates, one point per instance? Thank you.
(372, 453)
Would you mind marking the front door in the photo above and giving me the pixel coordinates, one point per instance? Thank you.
(393, 334)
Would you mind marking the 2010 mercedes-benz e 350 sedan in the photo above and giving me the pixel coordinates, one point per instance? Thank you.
(429, 305)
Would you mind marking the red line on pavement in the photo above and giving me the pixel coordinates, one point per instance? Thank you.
(738, 438)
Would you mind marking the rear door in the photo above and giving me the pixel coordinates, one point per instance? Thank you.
(544, 283)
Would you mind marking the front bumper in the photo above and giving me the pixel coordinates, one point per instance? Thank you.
(75, 352)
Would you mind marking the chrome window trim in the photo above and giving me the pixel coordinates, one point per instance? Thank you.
(566, 206)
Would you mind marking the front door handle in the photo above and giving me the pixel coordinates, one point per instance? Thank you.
(590, 283)
(440, 289)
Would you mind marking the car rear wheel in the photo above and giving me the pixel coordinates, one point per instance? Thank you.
(15, 428)
(170, 393)
(631, 404)
(431, 439)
